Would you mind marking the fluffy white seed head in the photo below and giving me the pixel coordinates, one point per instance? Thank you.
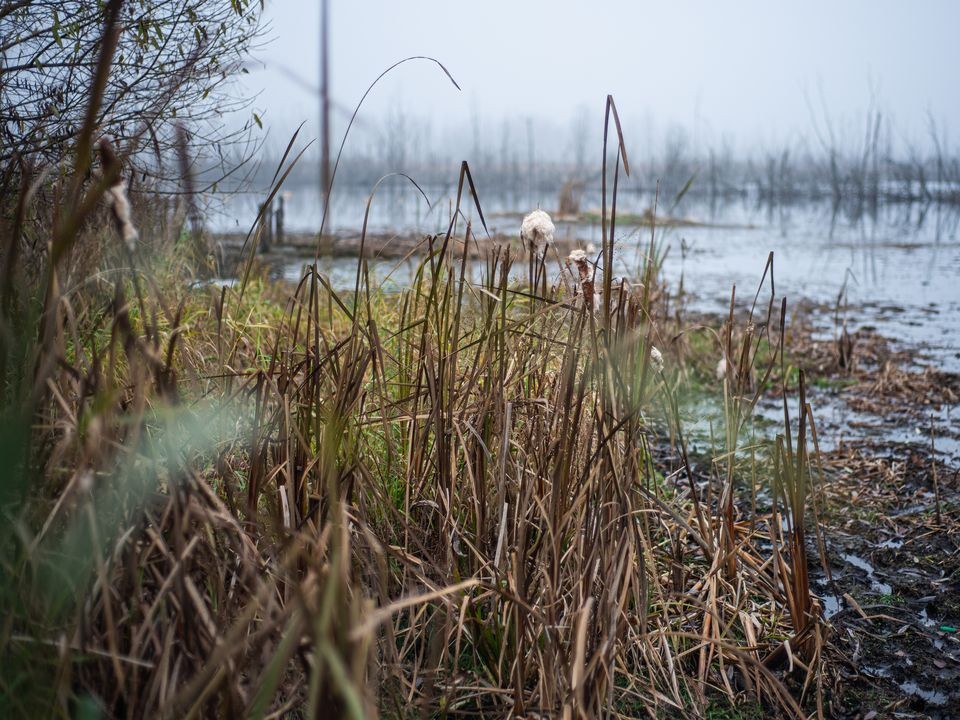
(577, 256)
(597, 304)
(119, 203)
(721, 371)
(537, 229)
(656, 358)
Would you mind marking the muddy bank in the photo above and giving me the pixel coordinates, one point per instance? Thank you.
(885, 477)
(888, 491)
(891, 504)
(892, 594)
(298, 248)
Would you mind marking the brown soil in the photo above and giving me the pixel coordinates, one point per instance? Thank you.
(380, 245)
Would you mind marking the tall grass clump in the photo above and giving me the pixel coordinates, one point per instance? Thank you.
(470, 498)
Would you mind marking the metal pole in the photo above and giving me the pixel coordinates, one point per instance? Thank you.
(324, 103)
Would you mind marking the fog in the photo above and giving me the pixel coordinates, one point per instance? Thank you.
(751, 76)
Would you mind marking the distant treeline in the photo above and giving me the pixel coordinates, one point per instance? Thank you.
(870, 169)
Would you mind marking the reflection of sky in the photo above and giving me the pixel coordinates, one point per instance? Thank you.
(905, 278)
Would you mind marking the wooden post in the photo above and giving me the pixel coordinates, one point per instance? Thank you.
(279, 220)
(266, 228)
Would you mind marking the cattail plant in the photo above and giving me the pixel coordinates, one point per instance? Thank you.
(585, 287)
(116, 197)
(536, 232)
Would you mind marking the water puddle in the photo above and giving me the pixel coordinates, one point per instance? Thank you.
(831, 605)
(831, 601)
(932, 697)
(937, 698)
(876, 584)
(925, 619)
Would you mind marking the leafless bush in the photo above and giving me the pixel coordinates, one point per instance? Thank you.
(171, 63)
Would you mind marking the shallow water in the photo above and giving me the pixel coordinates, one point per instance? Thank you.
(900, 266)
(902, 270)
(838, 423)
(936, 698)
(877, 585)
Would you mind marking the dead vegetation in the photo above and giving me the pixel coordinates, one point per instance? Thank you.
(442, 502)
(475, 497)
(887, 501)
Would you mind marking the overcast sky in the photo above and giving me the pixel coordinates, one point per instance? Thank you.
(737, 70)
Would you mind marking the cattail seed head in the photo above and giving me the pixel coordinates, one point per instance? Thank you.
(537, 229)
(579, 258)
(721, 370)
(116, 196)
(656, 359)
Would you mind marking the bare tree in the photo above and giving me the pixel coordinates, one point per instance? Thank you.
(170, 68)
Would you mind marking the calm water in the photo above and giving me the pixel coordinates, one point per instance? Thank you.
(901, 264)
(902, 271)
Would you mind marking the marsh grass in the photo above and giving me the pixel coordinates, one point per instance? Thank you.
(468, 498)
